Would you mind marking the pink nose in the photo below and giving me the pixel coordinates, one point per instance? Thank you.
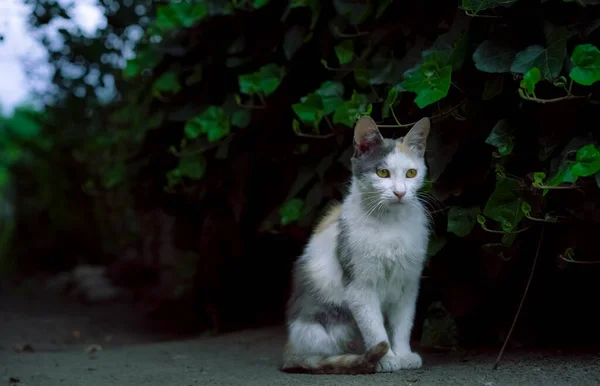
(399, 195)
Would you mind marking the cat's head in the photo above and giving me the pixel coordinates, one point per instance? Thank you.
(387, 169)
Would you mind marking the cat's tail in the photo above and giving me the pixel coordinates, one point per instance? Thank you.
(336, 364)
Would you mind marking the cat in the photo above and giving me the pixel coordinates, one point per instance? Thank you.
(356, 284)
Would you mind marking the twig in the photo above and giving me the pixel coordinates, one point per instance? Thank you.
(571, 260)
(340, 34)
(431, 118)
(543, 101)
(535, 259)
(502, 232)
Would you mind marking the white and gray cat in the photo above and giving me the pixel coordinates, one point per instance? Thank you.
(355, 287)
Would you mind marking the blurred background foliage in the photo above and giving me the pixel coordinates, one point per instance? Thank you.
(191, 145)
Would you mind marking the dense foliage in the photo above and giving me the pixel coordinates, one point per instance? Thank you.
(237, 115)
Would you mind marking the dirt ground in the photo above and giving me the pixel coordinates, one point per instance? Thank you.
(47, 342)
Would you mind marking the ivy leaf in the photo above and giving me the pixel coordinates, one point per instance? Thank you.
(345, 51)
(192, 166)
(530, 79)
(430, 81)
(538, 178)
(291, 211)
(504, 204)
(357, 105)
(549, 60)
(355, 11)
(462, 220)
(435, 245)
(361, 76)
(167, 82)
(265, 81)
(114, 176)
(293, 40)
(493, 56)
(493, 87)
(586, 59)
(331, 93)
(241, 118)
(310, 109)
(259, 3)
(475, 6)
(213, 122)
(383, 4)
(587, 162)
(180, 14)
(501, 138)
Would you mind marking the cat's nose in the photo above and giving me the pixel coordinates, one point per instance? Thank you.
(399, 194)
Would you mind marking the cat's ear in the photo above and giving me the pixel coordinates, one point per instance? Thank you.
(366, 135)
(415, 140)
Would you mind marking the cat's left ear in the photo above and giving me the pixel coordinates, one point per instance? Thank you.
(366, 135)
(416, 138)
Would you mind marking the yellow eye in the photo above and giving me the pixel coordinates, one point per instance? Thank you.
(383, 173)
(411, 173)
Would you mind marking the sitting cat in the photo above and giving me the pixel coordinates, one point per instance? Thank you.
(355, 287)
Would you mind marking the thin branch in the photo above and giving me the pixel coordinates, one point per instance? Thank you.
(340, 34)
(431, 118)
(571, 260)
(541, 219)
(535, 259)
(553, 100)
(502, 232)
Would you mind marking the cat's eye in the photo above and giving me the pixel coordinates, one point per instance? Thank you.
(383, 173)
(411, 173)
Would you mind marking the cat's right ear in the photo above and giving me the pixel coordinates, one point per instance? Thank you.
(366, 135)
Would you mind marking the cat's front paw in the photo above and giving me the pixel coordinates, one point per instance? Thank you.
(388, 363)
(409, 360)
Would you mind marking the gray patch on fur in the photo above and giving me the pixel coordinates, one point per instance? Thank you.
(368, 162)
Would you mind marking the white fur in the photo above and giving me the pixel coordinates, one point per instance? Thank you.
(391, 239)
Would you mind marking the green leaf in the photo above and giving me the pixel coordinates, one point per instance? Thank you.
(114, 176)
(291, 211)
(538, 178)
(493, 87)
(586, 62)
(525, 208)
(504, 204)
(4, 176)
(241, 118)
(355, 11)
(213, 122)
(310, 109)
(259, 3)
(361, 76)
(383, 4)
(293, 40)
(265, 81)
(345, 51)
(430, 81)
(476, 6)
(587, 161)
(392, 96)
(331, 93)
(346, 114)
(168, 82)
(480, 219)
(462, 220)
(530, 79)
(436, 243)
(196, 76)
(549, 60)
(192, 166)
(493, 56)
(180, 14)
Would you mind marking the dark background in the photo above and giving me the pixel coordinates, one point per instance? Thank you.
(210, 247)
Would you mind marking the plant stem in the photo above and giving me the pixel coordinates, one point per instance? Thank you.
(535, 259)
(503, 232)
